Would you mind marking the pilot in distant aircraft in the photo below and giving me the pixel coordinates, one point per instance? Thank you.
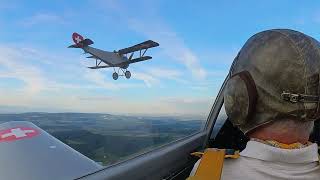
(114, 59)
(273, 96)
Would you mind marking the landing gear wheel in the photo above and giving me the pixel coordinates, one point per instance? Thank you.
(127, 74)
(115, 76)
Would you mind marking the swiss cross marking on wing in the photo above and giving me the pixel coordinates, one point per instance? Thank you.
(17, 133)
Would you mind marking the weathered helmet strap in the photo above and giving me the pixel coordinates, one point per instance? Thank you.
(306, 98)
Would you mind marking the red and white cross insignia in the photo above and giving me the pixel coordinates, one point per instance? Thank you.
(77, 38)
(17, 133)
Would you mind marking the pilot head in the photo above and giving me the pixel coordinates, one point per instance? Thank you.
(274, 77)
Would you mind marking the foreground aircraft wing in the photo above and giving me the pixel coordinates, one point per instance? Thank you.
(28, 152)
(141, 46)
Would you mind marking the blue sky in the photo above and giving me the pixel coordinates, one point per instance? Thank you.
(198, 41)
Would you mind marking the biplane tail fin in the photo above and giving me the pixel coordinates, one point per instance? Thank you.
(79, 41)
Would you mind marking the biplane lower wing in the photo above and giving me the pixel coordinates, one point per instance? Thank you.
(140, 59)
(141, 46)
(135, 60)
(99, 67)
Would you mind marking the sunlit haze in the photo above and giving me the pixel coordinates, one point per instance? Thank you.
(198, 42)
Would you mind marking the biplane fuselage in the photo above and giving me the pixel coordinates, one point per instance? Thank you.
(114, 59)
(110, 58)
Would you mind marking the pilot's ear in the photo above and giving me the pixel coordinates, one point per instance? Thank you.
(240, 97)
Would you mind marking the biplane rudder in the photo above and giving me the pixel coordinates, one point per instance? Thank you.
(79, 41)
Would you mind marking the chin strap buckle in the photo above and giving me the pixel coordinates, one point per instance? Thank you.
(295, 98)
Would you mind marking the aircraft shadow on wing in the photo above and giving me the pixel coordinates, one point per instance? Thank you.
(116, 59)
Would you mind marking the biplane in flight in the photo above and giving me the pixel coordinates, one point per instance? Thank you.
(116, 59)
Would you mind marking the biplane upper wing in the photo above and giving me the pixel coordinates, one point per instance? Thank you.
(141, 46)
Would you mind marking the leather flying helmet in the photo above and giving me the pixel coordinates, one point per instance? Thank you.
(274, 76)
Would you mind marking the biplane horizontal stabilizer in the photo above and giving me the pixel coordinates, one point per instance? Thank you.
(74, 46)
(93, 57)
(81, 44)
(86, 42)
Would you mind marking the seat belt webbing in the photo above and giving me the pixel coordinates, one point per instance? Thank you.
(211, 164)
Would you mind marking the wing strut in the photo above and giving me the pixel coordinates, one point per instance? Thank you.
(97, 64)
(145, 50)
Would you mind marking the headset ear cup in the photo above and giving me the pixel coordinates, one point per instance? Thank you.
(240, 96)
(236, 100)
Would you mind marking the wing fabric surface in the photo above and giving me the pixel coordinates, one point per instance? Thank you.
(40, 156)
(141, 46)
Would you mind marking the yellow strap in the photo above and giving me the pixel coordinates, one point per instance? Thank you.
(198, 154)
(210, 167)
(236, 155)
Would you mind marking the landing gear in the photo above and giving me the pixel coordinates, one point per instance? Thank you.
(127, 74)
(115, 76)
(121, 72)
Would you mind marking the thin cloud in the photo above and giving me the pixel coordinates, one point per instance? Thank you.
(167, 73)
(7, 4)
(99, 79)
(171, 44)
(188, 105)
(177, 100)
(30, 65)
(155, 28)
(11, 61)
(148, 79)
(97, 98)
(43, 18)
